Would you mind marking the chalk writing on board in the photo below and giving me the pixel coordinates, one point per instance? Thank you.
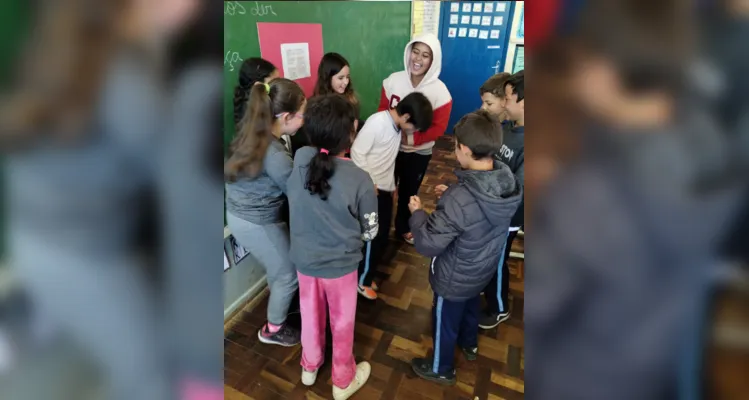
(234, 8)
(262, 9)
(232, 58)
(295, 60)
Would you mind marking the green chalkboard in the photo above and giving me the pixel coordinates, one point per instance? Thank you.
(370, 34)
(14, 19)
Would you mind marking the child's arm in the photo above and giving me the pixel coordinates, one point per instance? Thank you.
(438, 128)
(434, 232)
(361, 147)
(367, 206)
(279, 166)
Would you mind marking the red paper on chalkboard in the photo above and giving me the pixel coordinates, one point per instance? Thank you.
(302, 50)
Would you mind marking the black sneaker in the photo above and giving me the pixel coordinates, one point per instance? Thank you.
(489, 321)
(471, 353)
(423, 368)
(286, 336)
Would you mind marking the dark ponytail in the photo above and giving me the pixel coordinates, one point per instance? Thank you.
(321, 169)
(255, 130)
(253, 70)
(329, 122)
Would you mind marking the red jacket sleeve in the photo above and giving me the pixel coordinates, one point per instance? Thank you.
(439, 125)
(384, 103)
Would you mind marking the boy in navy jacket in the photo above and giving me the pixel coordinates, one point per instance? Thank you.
(465, 236)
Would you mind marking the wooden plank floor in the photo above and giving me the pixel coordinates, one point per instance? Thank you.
(389, 333)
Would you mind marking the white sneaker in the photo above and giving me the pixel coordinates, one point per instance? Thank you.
(309, 378)
(363, 369)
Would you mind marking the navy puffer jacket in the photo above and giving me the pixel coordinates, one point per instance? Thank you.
(465, 235)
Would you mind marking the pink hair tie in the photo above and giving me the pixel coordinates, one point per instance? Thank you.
(324, 151)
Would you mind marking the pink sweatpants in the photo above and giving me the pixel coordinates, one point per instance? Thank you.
(339, 297)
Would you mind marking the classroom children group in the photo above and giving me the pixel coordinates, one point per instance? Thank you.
(310, 192)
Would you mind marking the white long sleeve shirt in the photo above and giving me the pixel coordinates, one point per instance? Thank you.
(375, 149)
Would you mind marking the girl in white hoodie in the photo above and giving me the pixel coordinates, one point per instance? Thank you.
(423, 64)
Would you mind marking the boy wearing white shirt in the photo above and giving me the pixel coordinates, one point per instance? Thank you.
(374, 150)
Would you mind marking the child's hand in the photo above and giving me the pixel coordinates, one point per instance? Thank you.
(414, 204)
(439, 190)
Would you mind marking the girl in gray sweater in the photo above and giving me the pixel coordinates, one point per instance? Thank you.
(255, 173)
(333, 207)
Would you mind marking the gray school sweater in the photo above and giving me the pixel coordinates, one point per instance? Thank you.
(83, 197)
(260, 200)
(326, 235)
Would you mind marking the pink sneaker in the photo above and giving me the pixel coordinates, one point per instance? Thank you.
(199, 390)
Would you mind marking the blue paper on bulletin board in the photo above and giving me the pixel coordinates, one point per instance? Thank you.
(521, 26)
(519, 62)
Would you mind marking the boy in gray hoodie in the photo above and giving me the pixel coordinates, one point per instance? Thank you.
(465, 236)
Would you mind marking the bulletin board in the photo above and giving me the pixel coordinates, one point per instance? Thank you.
(519, 59)
(517, 38)
(425, 17)
(295, 49)
(518, 32)
(371, 35)
(477, 34)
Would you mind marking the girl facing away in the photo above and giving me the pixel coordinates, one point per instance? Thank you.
(423, 63)
(252, 71)
(333, 208)
(256, 174)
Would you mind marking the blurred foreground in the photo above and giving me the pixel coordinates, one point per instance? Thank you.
(113, 208)
(637, 248)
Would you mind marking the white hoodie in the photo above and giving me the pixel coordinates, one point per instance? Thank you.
(398, 85)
